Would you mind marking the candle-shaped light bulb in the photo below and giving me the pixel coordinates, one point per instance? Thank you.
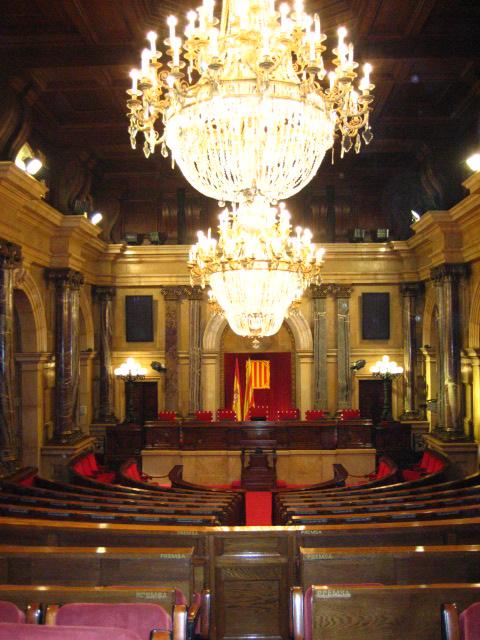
(342, 32)
(354, 98)
(152, 38)
(265, 43)
(145, 62)
(172, 23)
(299, 10)
(312, 41)
(177, 43)
(331, 78)
(134, 76)
(214, 42)
(192, 19)
(350, 55)
(316, 23)
(367, 70)
(208, 6)
(284, 11)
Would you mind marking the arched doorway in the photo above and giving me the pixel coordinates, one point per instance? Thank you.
(277, 351)
(302, 361)
(30, 387)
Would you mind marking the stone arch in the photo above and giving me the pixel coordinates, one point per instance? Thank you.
(211, 347)
(297, 324)
(34, 317)
(474, 320)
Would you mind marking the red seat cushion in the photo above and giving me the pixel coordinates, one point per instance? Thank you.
(10, 612)
(138, 617)
(12, 631)
(470, 622)
(410, 474)
(108, 476)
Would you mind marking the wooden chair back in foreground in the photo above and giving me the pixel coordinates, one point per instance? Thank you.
(375, 612)
(465, 626)
(16, 631)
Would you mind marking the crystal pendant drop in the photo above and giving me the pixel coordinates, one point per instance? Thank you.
(358, 143)
(347, 143)
(367, 136)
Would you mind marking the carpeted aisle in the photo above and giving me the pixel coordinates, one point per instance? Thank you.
(258, 507)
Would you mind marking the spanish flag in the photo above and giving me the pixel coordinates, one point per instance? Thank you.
(237, 393)
(248, 401)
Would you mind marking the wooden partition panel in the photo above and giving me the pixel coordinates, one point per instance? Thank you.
(389, 565)
(385, 613)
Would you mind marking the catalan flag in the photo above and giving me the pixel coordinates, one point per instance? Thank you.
(237, 392)
(260, 374)
(248, 401)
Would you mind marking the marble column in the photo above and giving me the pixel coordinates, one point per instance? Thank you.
(410, 293)
(173, 295)
(10, 259)
(447, 280)
(319, 299)
(344, 387)
(195, 297)
(105, 297)
(67, 352)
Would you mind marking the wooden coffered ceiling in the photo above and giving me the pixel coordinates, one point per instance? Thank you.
(70, 60)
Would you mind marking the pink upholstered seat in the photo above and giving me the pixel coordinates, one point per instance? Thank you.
(307, 614)
(11, 631)
(9, 612)
(470, 622)
(141, 617)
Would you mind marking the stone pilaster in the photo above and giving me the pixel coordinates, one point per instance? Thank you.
(105, 297)
(10, 259)
(410, 293)
(195, 297)
(67, 352)
(447, 279)
(342, 294)
(173, 295)
(319, 299)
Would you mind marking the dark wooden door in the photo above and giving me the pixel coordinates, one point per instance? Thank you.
(371, 399)
(145, 401)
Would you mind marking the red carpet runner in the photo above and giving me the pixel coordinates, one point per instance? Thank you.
(258, 507)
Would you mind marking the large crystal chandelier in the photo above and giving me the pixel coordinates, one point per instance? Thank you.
(246, 102)
(257, 270)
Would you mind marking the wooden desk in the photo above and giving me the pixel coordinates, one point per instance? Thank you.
(289, 435)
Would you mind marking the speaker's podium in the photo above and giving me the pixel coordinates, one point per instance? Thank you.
(257, 472)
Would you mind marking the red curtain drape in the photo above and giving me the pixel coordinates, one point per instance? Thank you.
(279, 396)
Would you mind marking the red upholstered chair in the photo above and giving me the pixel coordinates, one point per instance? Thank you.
(204, 416)
(430, 463)
(259, 412)
(226, 414)
(139, 617)
(349, 414)
(470, 622)
(12, 631)
(167, 416)
(11, 613)
(287, 414)
(312, 415)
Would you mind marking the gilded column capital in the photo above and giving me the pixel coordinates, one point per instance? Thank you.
(173, 293)
(449, 271)
(341, 290)
(66, 278)
(320, 290)
(104, 292)
(194, 293)
(411, 289)
(10, 254)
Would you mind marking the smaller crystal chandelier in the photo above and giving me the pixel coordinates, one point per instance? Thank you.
(257, 270)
